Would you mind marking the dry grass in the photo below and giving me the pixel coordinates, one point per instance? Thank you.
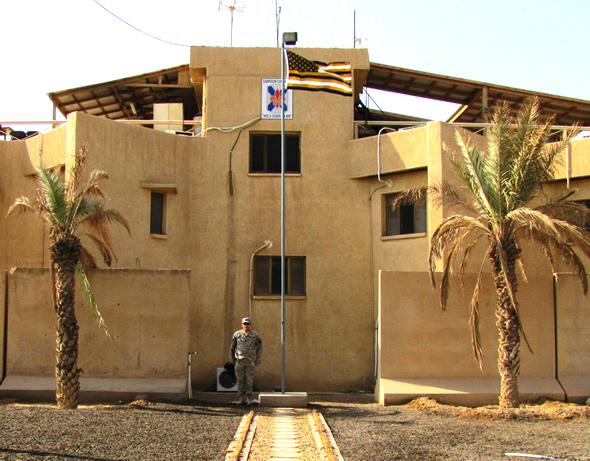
(547, 411)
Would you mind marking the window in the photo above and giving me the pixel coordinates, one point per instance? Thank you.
(159, 199)
(267, 275)
(158, 213)
(405, 219)
(265, 153)
(586, 203)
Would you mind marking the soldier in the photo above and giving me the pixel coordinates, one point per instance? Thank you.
(246, 353)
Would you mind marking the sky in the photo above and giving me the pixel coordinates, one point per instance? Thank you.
(537, 45)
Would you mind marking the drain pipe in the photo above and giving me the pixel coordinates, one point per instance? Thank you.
(189, 376)
(267, 244)
(555, 334)
(5, 330)
(387, 183)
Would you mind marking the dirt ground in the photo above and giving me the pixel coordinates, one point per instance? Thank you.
(425, 429)
(201, 429)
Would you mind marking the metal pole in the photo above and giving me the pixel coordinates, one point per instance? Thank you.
(189, 376)
(283, 216)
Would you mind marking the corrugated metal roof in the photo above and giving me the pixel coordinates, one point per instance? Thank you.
(133, 97)
(471, 95)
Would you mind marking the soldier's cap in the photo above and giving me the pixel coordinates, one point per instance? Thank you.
(246, 320)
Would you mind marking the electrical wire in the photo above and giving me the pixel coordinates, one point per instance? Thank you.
(137, 29)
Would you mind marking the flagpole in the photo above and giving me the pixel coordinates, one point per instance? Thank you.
(289, 38)
(283, 98)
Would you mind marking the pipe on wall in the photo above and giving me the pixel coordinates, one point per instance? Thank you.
(267, 244)
(5, 330)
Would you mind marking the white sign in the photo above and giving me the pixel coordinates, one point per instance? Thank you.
(272, 100)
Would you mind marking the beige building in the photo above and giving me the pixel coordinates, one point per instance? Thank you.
(195, 168)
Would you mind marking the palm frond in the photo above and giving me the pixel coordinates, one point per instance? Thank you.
(81, 273)
(447, 233)
(566, 210)
(52, 196)
(467, 257)
(445, 193)
(474, 319)
(21, 204)
(575, 263)
(86, 259)
(75, 170)
(97, 217)
(410, 197)
(104, 250)
(475, 173)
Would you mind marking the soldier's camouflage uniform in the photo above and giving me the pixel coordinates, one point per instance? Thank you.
(246, 350)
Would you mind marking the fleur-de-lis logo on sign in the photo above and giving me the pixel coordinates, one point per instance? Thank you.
(275, 99)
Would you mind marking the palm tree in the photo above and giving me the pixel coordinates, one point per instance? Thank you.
(64, 206)
(497, 189)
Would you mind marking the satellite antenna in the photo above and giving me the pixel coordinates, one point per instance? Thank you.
(231, 9)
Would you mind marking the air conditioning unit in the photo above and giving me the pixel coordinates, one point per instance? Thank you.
(226, 381)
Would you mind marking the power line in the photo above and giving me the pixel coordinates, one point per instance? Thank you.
(137, 29)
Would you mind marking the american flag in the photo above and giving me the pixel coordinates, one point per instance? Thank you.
(334, 77)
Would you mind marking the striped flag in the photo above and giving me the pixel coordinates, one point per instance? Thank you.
(334, 77)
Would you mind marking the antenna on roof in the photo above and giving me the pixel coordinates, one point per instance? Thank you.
(278, 16)
(231, 9)
(356, 39)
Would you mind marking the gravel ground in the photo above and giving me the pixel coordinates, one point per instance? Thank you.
(437, 432)
(203, 429)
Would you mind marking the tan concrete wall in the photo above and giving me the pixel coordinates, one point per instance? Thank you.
(21, 235)
(576, 160)
(399, 151)
(148, 321)
(3, 318)
(418, 341)
(573, 338)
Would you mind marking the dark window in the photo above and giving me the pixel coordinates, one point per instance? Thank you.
(267, 275)
(157, 213)
(586, 203)
(405, 219)
(265, 153)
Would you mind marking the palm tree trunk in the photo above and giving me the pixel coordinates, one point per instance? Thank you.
(508, 326)
(65, 253)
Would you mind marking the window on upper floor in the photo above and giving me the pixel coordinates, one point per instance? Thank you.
(159, 200)
(158, 213)
(265, 153)
(267, 275)
(405, 219)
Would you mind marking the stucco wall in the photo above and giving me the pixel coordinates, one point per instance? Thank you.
(419, 341)
(573, 338)
(21, 235)
(146, 312)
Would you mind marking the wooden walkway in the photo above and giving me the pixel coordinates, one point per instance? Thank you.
(287, 434)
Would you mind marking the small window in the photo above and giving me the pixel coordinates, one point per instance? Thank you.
(405, 219)
(267, 275)
(586, 203)
(265, 153)
(159, 198)
(158, 213)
